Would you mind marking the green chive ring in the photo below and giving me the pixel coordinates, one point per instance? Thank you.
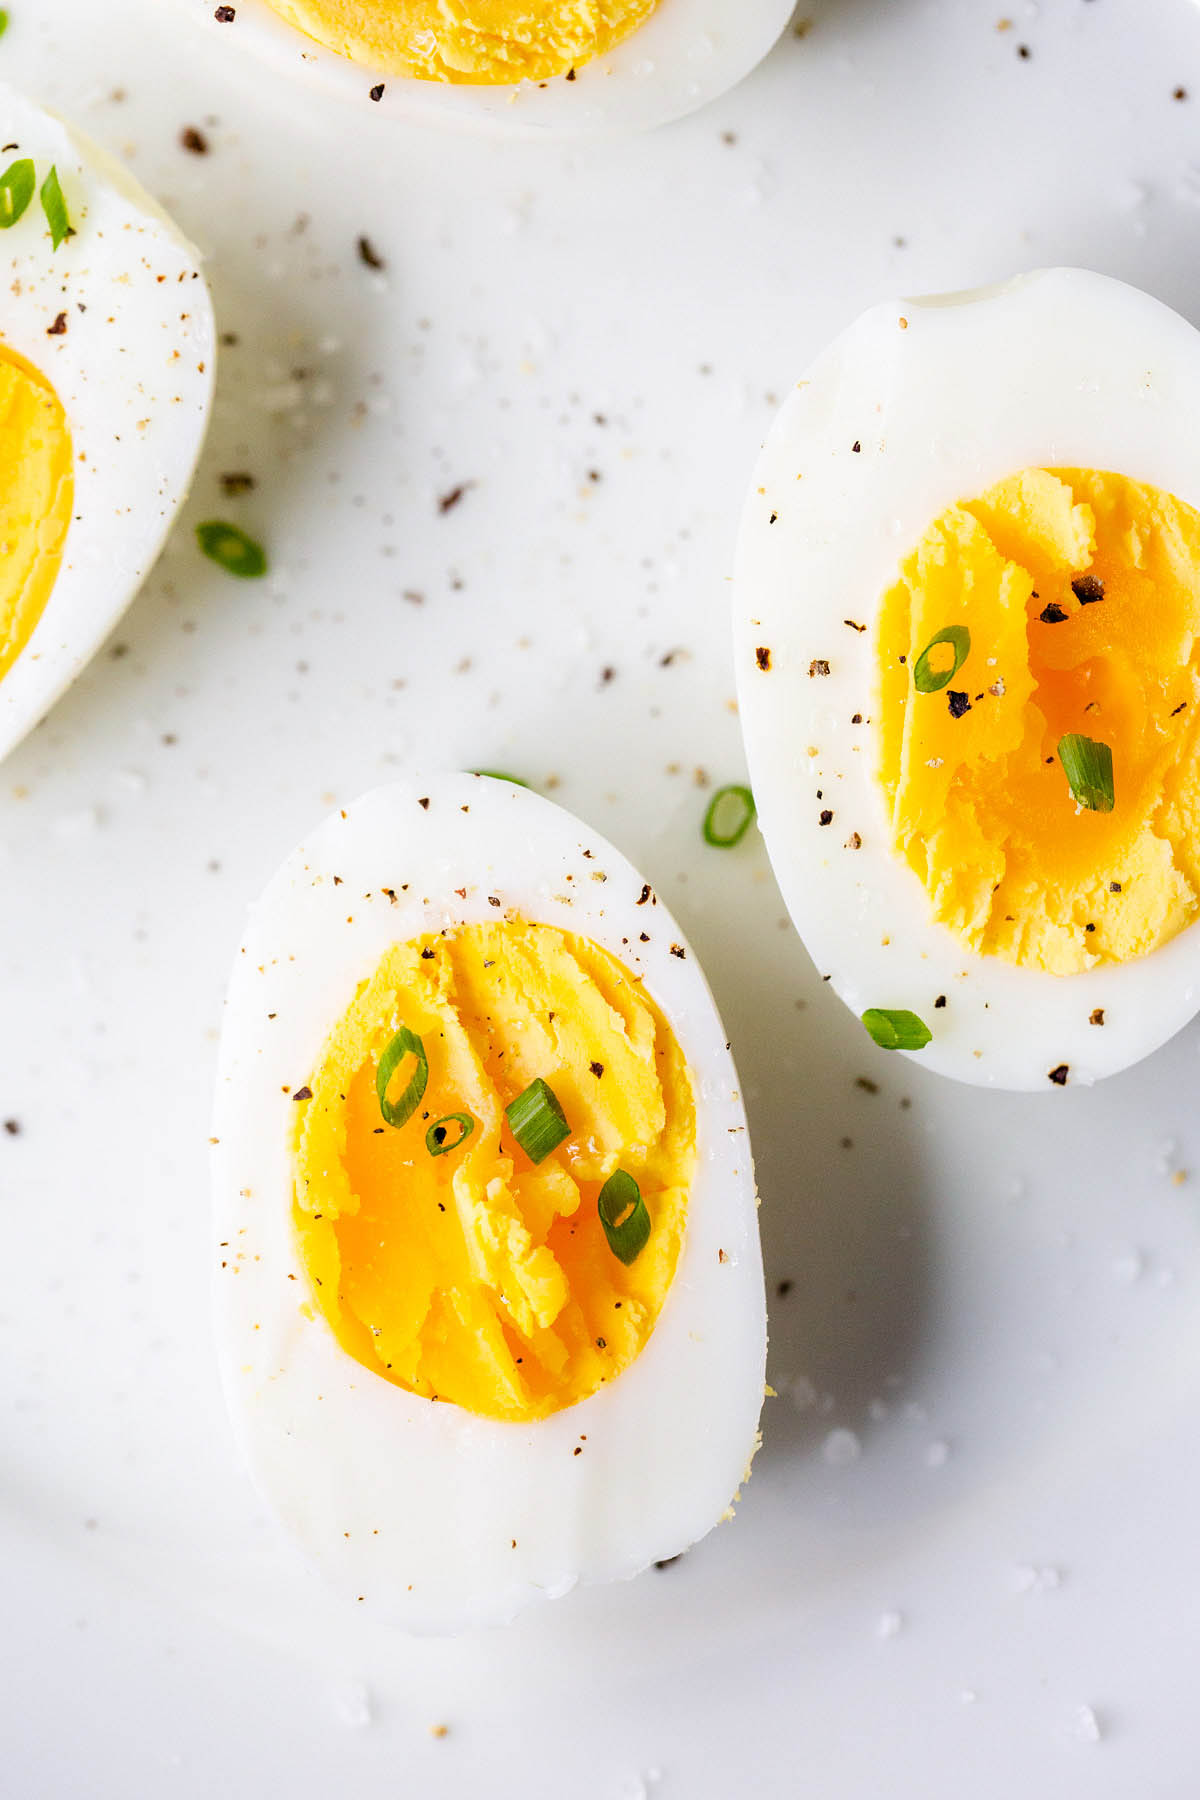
(54, 206)
(729, 817)
(896, 1030)
(17, 186)
(439, 1146)
(1088, 767)
(404, 1043)
(229, 546)
(624, 1217)
(932, 681)
(537, 1121)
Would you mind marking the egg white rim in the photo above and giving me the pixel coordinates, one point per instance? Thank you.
(854, 470)
(137, 403)
(714, 1315)
(726, 40)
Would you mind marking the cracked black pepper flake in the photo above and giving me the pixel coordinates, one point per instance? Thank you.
(302, 1093)
(818, 666)
(856, 719)
(1087, 589)
(644, 895)
(1089, 927)
(783, 1288)
(1178, 709)
(1059, 1075)
(427, 955)
(377, 91)
(762, 657)
(1096, 1017)
(826, 818)
(1024, 52)
(678, 950)
(960, 703)
(1052, 614)
(772, 518)
(940, 1001)
(854, 841)
(597, 1069)
(225, 15)
(856, 446)
(854, 624)
(1114, 887)
(12, 1127)
(447, 502)
(424, 805)
(237, 482)
(370, 257)
(193, 140)
(59, 327)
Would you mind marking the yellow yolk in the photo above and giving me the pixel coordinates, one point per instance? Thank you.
(36, 491)
(474, 1276)
(1081, 594)
(479, 41)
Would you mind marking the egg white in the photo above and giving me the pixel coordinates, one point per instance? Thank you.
(134, 372)
(921, 403)
(687, 53)
(412, 1506)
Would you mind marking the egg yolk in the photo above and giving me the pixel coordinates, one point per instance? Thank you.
(476, 41)
(474, 1275)
(1080, 592)
(36, 491)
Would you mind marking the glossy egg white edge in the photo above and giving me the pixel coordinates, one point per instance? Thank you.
(134, 371)
(945, 395)
(687, 53)
(423, 1535)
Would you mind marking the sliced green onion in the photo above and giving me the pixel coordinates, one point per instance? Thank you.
(16, 190)
(896, 1030)
(54, 206)
(3, 22)
(928, 680)
(404, 1043)
(437, 1138)
(499, 775)
(1088, 767)
(228, 545)
(729, 817)
(624, 1217)
(537, 1121)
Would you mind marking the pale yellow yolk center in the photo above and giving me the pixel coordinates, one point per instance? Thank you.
(479, 41)
(1081, 594)
(475, 1276)
(36, 492)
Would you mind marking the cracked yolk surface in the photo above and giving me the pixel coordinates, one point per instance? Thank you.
(475, 41)
(36, 493)
(475, 1276)
(1080, 590)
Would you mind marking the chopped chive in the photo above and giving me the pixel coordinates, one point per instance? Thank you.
(16, 190)
(537, 1121)
(404, 1043)
(3, 22)
(729, 817)
(928, 680)
(896, 1030)
(54, 206)
(1088, 767)
(228, 545)
(500, 775)
(438, 1140)
(624, 1217)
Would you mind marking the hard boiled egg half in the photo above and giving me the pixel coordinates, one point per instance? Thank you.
(489, 1292)
(968, 608)
(106, 372)
(524, 68)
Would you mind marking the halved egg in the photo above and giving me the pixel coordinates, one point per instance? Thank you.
(524, 68)
(967, 618)
(107, 354)
(489, 1295)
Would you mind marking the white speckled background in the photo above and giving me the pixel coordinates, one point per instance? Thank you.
(967, 1561)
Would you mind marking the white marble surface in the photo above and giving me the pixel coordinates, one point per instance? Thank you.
(967, 1560)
